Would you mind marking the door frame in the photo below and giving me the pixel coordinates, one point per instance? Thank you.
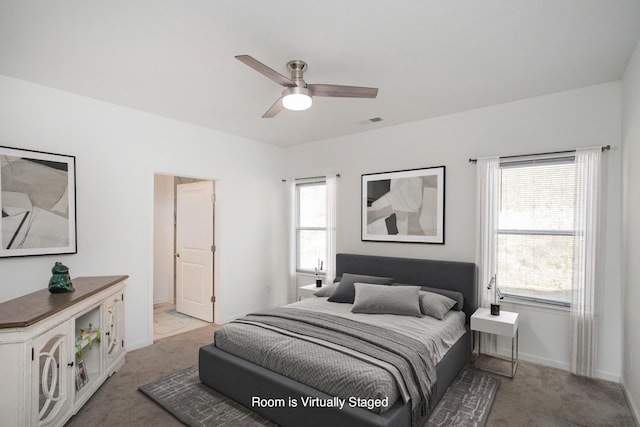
(216, 232)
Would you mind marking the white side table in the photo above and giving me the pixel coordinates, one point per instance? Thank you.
(307, 291)
(505, 324)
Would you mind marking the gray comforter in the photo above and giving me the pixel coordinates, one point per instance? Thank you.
(339, 356)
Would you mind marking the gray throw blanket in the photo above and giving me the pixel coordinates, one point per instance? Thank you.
(411, 357)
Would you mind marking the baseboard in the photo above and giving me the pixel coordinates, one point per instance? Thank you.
(504, 352)
(609, 376)
(135, 346)
(635, 411)
(603, 375)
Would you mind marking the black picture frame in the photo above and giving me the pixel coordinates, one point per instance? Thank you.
(404, 206)
(37, 202)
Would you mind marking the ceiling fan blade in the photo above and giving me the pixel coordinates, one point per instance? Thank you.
(343, 91)
(265, 71)
(274, 109)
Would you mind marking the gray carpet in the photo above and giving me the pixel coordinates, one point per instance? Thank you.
(467, 402)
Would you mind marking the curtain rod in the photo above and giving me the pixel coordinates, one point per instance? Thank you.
(604, 148)
(312, 177)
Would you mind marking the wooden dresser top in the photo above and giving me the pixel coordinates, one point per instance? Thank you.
(31, 308)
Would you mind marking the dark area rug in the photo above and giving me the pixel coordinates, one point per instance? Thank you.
(195, 404)
(467, 402)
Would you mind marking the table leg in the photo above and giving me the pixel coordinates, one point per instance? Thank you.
(514, 361)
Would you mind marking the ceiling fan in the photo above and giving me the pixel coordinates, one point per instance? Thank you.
(297, 94)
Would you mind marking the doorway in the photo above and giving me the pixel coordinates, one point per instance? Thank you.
(183, 264)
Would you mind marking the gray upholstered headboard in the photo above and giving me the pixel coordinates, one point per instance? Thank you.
(457, 276)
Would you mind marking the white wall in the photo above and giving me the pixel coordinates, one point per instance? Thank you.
(578, 118)
(163, 244)
(117, 151)
(631, 231)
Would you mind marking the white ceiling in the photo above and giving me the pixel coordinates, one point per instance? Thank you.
(175, 58)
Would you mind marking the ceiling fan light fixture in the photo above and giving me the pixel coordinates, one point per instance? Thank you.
(296, 98)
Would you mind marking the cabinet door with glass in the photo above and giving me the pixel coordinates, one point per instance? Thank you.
(114, 325)
(51, 375)
(89, 356)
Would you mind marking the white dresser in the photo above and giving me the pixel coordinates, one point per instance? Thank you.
(50, 367)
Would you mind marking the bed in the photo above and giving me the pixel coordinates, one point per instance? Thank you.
(244, 381)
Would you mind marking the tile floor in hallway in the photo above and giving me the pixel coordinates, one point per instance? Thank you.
(168, 322)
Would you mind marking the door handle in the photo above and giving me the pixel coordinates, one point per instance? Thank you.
(177, 255)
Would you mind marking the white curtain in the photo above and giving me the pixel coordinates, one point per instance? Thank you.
(487, 188)
(332, 190)
(582, 318)
(290, 197)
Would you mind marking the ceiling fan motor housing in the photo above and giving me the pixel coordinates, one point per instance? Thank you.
(297, 68)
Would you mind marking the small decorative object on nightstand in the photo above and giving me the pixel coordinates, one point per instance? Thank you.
(495, 307)
(318, 270)
(504, 324)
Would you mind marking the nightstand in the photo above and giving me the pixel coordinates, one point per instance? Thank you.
(307, 291)
(505, 324)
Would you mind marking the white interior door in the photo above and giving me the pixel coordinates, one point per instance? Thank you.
(194, 250)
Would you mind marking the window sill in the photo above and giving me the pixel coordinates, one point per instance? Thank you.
(309, 274)
(536, 304)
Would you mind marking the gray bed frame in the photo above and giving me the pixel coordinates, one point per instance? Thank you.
(242, 380)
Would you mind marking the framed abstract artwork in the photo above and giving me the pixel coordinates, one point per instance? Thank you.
(38, 203)
(404, 206)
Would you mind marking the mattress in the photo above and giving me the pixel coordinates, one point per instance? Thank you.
(334, 369)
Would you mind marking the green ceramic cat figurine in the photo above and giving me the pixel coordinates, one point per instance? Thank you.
(60, 280)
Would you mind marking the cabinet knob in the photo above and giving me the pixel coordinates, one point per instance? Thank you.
(70, 364)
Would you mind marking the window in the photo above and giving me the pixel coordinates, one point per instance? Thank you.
(311, 226)
(535, 241)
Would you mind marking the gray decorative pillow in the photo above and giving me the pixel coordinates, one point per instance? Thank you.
(345, 291)
(326, 290)
(376, 299)
(434, 305)
(454, 295)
